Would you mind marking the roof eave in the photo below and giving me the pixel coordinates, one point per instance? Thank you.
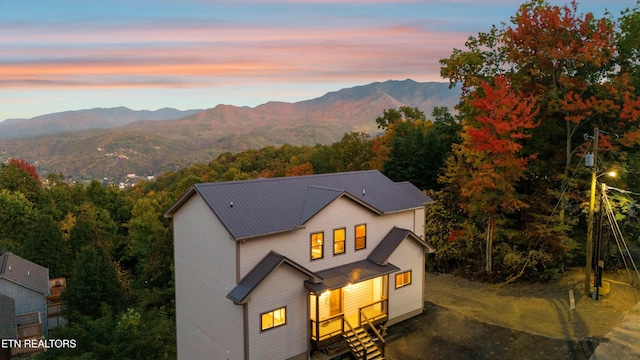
(178, 204)
(255, 236)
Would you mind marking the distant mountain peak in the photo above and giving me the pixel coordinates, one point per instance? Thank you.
(68, 142)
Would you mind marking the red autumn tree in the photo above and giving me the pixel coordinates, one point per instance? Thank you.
(26, 167)
(489, 163)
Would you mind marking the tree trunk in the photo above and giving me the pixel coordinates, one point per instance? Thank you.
(489, 247)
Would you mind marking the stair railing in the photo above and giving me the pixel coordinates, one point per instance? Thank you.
(362, 352)
(375, 331)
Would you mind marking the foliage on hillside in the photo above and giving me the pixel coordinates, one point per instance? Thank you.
(579, 73)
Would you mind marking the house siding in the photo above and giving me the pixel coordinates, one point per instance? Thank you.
(26, 300)
(419, 220)
(357, 294)
(282, 288)
(407, 300)
(208, 325)
(342, 212)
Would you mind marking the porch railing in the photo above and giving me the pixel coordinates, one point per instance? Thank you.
(29, 325)
(327, 328)
(375, 311)
(334, 326)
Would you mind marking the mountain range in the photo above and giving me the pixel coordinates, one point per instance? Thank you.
(97, 143)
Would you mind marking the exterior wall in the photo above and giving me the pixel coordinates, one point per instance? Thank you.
(208, 324)
(282, 288)
(407, 300)
(26, 300)
(357, 295)
(419, 222)
(341, 213)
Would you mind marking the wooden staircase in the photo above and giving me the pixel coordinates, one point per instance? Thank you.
(361, 344)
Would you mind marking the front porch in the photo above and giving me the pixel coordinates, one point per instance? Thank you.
(333, 312)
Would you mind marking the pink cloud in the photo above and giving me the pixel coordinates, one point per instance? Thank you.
(182, 55)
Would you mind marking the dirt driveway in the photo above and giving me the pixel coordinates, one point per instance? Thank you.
(472, 320)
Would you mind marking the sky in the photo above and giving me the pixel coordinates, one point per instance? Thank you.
(59, 55)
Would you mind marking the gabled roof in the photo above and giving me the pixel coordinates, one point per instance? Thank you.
(390, 242)
(259, 272)
(344, 275)
(24, 272)
(253, 208)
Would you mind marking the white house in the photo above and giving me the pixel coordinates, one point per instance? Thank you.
(275, 268)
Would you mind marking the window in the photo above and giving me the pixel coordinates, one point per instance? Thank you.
(338, 241)
(317, 245)
(273, 318)
(361, 236)
(403, 279)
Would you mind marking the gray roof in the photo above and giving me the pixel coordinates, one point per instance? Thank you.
(318, 282)
(24, 272)
(269, 263)
(259, 207)
(344, 275)
(390, 242)
(7, 318)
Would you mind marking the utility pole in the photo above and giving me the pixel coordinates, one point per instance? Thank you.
(592, 203)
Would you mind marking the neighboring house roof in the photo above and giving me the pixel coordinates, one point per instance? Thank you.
(24, 272)
(390, 242)
(344, 275)
(7, 318)
(260, 207)
(269, 263)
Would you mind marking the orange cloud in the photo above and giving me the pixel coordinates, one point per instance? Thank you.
(184, 55)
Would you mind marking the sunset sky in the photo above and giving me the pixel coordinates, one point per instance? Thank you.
(58, 55)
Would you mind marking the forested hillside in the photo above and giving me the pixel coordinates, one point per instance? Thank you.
(507, 173)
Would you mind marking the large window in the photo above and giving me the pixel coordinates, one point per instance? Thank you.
(273, 318)
(317, 245)
(338, 241)
(403, 279)
(361, 236)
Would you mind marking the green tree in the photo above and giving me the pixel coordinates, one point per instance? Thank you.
(17, 216)
(47, 247)
(352, 153)
(149, 244)
(93, 284)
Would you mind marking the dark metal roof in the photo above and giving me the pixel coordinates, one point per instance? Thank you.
(316, 199)
(24, 272)
(269, 263)
(259, 207)
(390, 242)
(344, 275)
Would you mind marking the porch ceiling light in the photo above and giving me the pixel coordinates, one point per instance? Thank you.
(349, 287)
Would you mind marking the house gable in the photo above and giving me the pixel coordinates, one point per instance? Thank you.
(269, 263)
(380, 255)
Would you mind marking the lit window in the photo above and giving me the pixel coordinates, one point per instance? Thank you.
(273, 318)
(361, 237)
(338, 241)
(403, 279)
(317, 244)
